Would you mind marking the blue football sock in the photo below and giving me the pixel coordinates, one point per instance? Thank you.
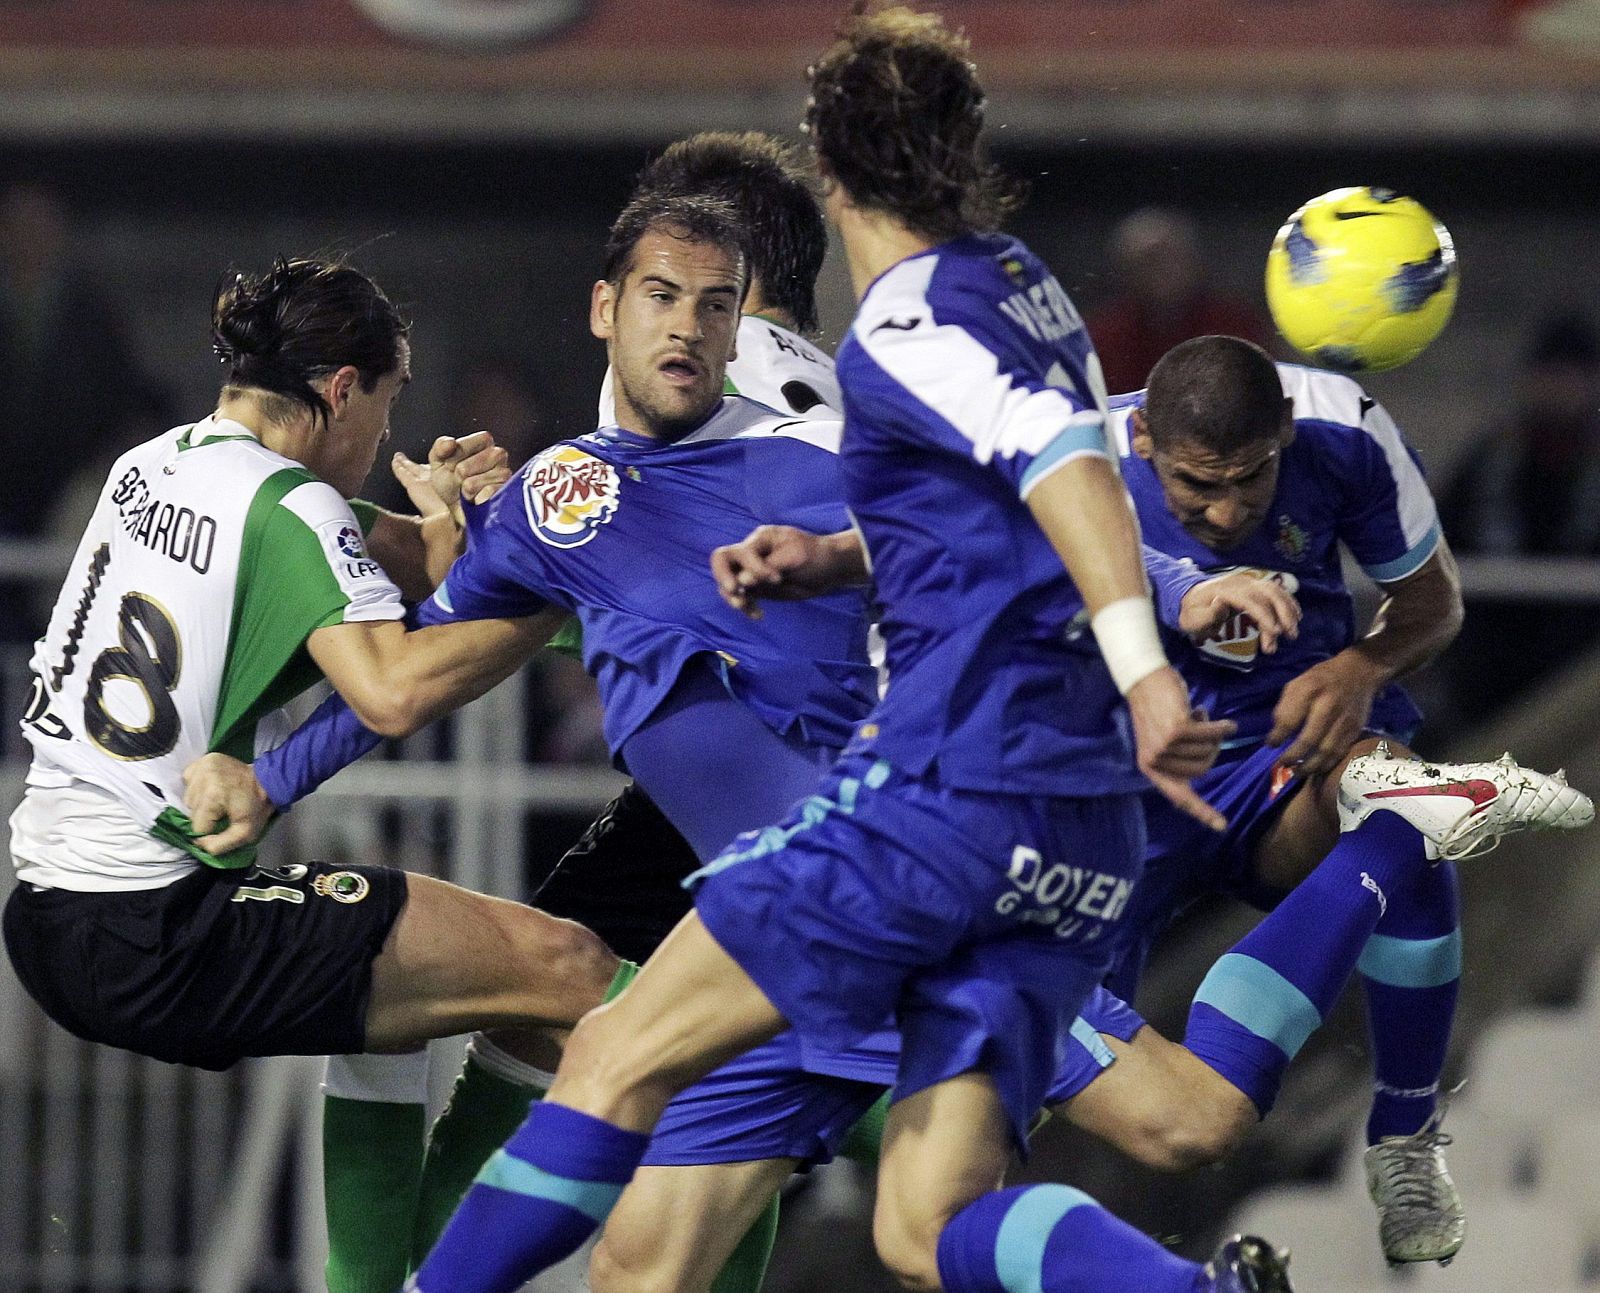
(1255, 1009)
(1054, 1239)
(1411, 970)
(534, 1202)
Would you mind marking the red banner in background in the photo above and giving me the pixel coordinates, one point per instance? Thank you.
(1054, 30)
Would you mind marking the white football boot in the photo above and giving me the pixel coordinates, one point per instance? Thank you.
(1461, 809)
(1420, 1218)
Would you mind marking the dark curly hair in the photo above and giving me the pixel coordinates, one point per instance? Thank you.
(770, 187)
(896, 117)
(303, 319)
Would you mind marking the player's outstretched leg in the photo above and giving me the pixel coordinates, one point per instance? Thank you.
(491, 1097)
(559, 1176)
(940, 1224)
(1411, 971)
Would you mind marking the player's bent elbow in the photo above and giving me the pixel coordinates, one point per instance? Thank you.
(390, 711)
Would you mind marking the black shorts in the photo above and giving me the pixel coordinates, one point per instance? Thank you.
(624, 878)
(214, 967)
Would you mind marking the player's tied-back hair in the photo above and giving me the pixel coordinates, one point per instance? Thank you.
(1222, 393)
(771, 189)
(693, 218)
(896, 117)
(303, 319)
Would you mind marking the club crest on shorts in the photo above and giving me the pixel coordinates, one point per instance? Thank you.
(569, 494)
(342, 886)
(1237, 642)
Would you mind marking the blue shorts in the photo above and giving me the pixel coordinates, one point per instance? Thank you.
(978, 922)
(764, 1104)
(776, 1102)
(1185, 861)
(1085, 1055)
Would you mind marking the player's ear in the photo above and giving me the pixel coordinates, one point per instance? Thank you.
(1286, 426)
(340, 383)
(1139, 438)
(603, 309)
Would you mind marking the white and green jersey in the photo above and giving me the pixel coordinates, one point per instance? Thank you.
(775, 367)
(208, 562)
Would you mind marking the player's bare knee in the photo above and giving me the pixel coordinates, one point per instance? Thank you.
(1198, 1131)
(614, 1064)
(908, 1244)
(563, 952)
(613, 1268)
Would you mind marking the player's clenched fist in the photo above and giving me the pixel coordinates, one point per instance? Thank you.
(783, 563)
(227, 806)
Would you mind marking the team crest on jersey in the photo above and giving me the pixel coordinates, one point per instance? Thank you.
(342, 886)
(569, 494)
(1237, 642)
(1292, 541)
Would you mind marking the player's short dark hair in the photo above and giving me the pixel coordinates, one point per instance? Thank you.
(896, 115)
(301, 320)
(692, 217)
(1222, 393)
(770, 188)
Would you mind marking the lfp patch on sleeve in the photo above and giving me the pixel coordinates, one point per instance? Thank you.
(569, 494)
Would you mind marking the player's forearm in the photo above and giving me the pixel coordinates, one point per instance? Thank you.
(331, 739)
(416, 552)
(398, 682)
(1417, 619)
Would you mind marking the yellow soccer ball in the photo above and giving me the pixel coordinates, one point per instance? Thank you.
(1361, 279)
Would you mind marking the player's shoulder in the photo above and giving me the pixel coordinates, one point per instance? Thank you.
(1119, 420)
(751, 423)
(1326, 397)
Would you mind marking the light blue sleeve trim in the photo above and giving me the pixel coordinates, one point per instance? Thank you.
(1074, 441)
(1412, 962)
(1257, 997)
(1388, 572)
(1020, 1242)
(1084, 1034)
(595, 1199)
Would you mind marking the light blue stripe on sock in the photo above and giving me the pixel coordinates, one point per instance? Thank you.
(1412, 962)
(1257, 997)
(594, 1199)
(1084, 1034)
(1019, 1246)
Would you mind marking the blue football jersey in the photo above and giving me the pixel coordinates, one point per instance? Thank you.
(967, 378)
(1348, 478)
(618, 528)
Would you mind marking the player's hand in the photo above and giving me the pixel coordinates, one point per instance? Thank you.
(782, 563)
(1325, 709)
(227, 806)
(1208, 606)
(1174, 743)
(473, 467)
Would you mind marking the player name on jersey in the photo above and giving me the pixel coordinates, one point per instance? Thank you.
(177, 532)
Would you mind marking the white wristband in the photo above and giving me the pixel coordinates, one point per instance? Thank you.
(1126, 632)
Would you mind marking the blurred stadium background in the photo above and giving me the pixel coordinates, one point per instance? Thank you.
(470, 154)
